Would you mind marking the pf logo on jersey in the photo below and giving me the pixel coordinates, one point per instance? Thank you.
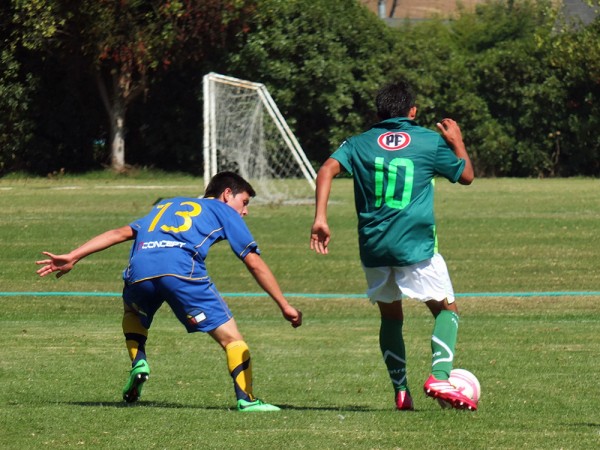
(394, 141)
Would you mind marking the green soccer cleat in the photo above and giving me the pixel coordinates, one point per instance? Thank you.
(137, 377)
(256, 406)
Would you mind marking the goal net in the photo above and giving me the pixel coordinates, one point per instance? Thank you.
(244, 132)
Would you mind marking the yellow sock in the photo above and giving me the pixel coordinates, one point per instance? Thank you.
(135, 335)
(240, 368)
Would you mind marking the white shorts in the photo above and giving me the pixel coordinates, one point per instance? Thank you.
(424, 281)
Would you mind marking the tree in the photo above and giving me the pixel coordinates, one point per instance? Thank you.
(124, 42)
(322, 61)
(575, 60)
(15, 126)
(538, 75)
(16, 88)
(490, 70)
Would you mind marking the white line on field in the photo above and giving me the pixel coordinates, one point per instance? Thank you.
(119, 186)
(138, 186)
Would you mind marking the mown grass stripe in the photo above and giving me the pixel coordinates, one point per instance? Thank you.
(311, 295)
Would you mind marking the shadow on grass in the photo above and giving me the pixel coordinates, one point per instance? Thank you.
(143, 404)
(587, 424)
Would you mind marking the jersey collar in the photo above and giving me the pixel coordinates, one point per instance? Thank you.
(395, 123)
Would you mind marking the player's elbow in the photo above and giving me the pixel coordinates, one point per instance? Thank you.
(467, 176)
(253, 261)
(466, 180)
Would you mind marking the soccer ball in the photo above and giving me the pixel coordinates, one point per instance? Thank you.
(465, 382)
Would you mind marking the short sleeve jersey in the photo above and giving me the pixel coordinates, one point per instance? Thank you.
(174, 238)
(393, 165)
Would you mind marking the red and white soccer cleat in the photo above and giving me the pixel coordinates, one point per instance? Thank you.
(404, 401)
(443, 390)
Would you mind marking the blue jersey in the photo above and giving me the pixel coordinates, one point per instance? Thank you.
(174, 238)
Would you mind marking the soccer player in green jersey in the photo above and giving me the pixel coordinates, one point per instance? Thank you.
(393, 165)
(167, 264)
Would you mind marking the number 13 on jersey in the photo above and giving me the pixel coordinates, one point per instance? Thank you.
(186, 214)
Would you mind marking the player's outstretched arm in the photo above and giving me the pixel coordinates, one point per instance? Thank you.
(451, 133)
(319, 232)
(266, 280)
(64, 263)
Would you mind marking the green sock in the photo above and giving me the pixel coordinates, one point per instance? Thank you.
(443, 342)
(391, 343)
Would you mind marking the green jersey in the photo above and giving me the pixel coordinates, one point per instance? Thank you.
(393, 165)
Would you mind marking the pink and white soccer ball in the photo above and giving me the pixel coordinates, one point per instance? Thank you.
(465, 382)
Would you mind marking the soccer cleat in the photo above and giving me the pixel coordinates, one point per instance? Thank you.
(444, 391)
(404, 401)
(255, 406)
(137, 377)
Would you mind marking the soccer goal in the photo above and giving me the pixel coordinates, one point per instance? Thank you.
(244, 132)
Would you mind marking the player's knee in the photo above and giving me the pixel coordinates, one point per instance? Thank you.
(132, 323)
(391, 311)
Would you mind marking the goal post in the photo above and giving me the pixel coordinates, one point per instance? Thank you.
(245, 132)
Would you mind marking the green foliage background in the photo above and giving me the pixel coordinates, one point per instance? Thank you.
(522, 81)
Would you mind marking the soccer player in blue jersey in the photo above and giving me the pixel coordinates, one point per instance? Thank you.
(169, 248)
(393, 165)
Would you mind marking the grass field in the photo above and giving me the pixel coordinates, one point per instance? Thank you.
(63, 362)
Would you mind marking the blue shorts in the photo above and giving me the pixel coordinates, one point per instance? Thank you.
(196, 303)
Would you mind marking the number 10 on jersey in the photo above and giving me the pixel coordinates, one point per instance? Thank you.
(391, 173)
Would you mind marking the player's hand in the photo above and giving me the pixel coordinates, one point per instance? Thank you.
(57, 263)
(319, 238)
(450, 131)
(293, 315)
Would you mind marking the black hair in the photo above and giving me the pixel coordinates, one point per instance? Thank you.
(394, 100)
(231, 180)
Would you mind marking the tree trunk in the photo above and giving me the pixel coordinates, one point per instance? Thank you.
(115, 106)
(123, 91)
(117, 136)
